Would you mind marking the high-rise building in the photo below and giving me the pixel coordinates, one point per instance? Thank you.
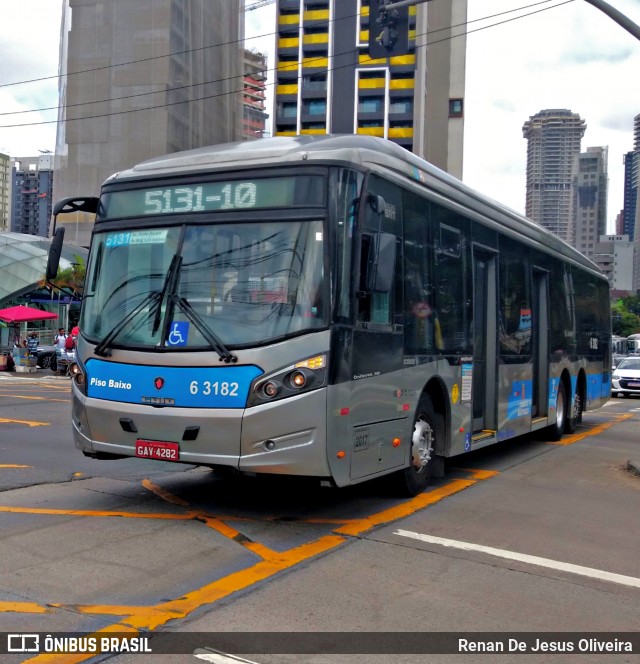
(613, 254)
(553, 142)
(5, 191)
(630, 194)
(254, 119)
(31, 192)
(589, 199)
(635, 215)
(141, 79)
(327, 83)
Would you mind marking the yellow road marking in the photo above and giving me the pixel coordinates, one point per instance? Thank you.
(18, 396)
(594, 431)
(360, 526)
(22, 607)
(13, 465)
(136, 618)
(4, 420)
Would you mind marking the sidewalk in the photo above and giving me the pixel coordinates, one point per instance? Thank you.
(39, 373)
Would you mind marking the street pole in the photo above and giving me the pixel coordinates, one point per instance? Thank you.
(603, 6)
(617, 16)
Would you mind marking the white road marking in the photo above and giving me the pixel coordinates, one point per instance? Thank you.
(210, 655)
(524, 558)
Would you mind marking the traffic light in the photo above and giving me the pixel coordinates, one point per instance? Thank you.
(388, 29)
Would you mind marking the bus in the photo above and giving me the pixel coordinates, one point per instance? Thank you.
(330, 307)
(618, 345)
(633, 344)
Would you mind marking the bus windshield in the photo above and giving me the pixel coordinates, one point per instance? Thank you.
(180, 287)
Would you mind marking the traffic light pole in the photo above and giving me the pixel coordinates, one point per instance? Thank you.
(603, 6)
(617, 16)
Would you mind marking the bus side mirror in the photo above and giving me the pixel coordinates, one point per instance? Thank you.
(53, 262)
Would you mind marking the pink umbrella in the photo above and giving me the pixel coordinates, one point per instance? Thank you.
(24, 314)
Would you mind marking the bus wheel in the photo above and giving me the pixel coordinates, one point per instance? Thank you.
(556, 430)
(426, 427)
(575, 417)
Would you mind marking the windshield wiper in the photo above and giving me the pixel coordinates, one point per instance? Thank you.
(101, 349)
(214, 341)
(156, 297)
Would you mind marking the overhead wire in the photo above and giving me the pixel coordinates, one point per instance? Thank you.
(222, 80)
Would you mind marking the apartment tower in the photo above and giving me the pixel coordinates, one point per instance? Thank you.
(589, 199)
(327, 83)
(31, 194)
(141, 79)
(635, 184)
(553, 143)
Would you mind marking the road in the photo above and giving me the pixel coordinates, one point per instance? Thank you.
(523, 537)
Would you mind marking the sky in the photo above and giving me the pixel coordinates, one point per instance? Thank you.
(570, 56)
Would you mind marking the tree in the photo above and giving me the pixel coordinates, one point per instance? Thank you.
(70, 279)
(624, 319)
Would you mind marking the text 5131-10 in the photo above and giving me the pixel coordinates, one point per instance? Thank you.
(199, 199)
(217, 389)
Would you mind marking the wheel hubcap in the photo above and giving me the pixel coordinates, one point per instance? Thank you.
(560, 410)
(421, 444)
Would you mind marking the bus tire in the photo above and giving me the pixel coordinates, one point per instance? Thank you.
(556, 430)
(428, 426)
(574, 418)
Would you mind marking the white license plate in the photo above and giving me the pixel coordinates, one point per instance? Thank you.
(155, 449)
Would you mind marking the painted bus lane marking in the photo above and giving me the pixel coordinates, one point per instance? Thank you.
(593, 431)
(149, 618)
(29, 423)
(557, 565)
(143, 618)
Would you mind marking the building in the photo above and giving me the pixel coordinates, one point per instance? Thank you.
(553, 142)
(326, 81)
(254, 117)
(613, 254)
(5, 191)
(630, 161)
(31, 194)
(634, 203)
(589, 199)
(141, 79)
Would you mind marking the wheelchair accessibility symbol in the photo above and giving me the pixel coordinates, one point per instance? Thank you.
(179, 334)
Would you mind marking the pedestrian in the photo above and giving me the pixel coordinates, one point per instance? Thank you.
(69, 342)
(32, 343)
(59, 340)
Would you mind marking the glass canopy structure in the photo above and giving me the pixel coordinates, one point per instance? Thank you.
(23, 262)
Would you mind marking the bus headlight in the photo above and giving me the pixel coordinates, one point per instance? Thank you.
(308, 374)
(78, 376)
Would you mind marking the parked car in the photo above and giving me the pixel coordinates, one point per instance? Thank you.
(626, 378)
(616, 361)
(45, 355)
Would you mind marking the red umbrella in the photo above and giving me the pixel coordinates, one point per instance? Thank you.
(24, 314)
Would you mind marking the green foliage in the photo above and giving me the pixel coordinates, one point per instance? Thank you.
(625, 318)
(71, 278)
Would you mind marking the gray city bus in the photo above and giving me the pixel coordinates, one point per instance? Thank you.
(325, 306)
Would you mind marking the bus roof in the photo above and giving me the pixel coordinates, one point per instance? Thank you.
(367, 151)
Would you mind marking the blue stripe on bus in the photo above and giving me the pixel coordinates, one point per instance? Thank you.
(185, 387)
(520, 399)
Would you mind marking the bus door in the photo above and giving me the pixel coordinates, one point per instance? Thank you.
(540, 350)
(484, 340)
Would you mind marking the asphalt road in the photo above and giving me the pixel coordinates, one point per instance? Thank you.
(526, 536)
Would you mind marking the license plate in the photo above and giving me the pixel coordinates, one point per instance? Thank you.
(633, 384)
(155, 449)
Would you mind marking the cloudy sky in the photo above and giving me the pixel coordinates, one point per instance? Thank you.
(570, 55)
